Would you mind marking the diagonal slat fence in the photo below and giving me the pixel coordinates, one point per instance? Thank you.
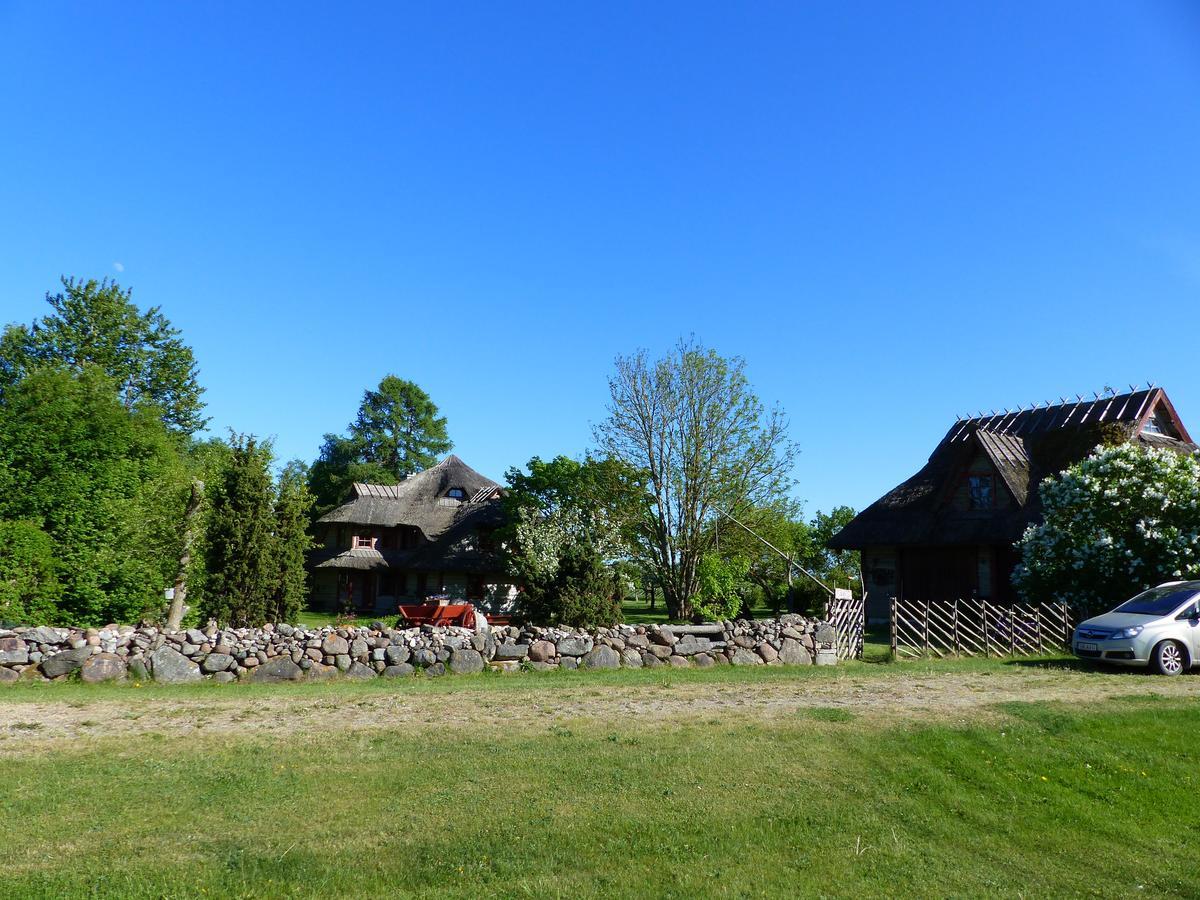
(846, 614)
(978, 628)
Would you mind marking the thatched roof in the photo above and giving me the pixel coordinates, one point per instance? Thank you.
(421, 500)
(1024, 446)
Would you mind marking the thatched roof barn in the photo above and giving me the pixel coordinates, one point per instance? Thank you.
(428, 535)
(948, 531)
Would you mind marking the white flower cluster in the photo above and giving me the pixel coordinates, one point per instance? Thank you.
(544, 536)
(1125, 518)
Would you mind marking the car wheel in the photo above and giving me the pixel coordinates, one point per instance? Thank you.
(1167, 658)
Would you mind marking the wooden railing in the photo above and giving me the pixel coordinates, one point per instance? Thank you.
(978, 628)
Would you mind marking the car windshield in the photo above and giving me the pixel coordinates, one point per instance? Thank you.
(1158, 601)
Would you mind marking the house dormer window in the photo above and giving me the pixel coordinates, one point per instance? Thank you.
(981, 491)
(456, 494)
(364, 542)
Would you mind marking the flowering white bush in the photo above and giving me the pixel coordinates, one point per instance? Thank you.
(1122, 520)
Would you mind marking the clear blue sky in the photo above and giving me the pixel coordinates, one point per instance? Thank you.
(895, 211)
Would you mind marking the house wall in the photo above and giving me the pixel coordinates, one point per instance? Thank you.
(880, 579)
(954, 573)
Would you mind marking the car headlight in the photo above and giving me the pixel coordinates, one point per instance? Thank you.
(1125, 633)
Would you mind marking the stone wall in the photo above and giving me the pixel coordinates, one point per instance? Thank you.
(290, 653)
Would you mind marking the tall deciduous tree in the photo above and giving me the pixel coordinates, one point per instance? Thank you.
(98, 323)
(106, 484)
(707, 444)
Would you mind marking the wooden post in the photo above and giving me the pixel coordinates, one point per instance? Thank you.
(1037, 612)
(1012, 632)
(954, 624)
(926, 634)
(987, 649)
(895, 610)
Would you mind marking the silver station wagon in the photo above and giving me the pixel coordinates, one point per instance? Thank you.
(1159, 628)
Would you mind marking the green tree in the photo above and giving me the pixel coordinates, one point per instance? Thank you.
(105, 482)
(1122, 520)
(335, 470)
(241, 583)
(98, 323)
(568, 523)
(396, 433)
(769, 572)
(706, 444)
(398, 427)
(292, 542)
(720, 586)
(29, 586)
(255, 537)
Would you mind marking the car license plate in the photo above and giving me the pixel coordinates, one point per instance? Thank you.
(1083, 646)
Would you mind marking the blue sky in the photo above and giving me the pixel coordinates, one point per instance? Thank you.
(896, 212)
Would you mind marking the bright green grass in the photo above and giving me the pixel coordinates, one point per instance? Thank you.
(1044, 801)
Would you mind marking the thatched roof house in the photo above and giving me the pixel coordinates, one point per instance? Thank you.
(948, 531)
(428, 535)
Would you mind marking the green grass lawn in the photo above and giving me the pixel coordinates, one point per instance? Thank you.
(1031, 800)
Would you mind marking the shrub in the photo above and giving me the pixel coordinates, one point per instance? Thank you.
(721, 586)
(29, 588)
(1123, 520)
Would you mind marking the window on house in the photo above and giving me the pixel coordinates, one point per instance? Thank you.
(981, 491)
(364, 541)
(1160, 423)
(456, 494)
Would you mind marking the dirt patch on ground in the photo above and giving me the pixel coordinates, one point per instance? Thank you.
(921, 696)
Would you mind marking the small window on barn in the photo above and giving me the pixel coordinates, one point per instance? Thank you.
(1160, 423)
(981, 491)
(456, 493)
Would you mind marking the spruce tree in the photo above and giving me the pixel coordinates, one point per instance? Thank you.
(292, 505)
(240, 584)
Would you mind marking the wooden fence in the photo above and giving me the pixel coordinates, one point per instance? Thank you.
(847, 616)
(978, 628)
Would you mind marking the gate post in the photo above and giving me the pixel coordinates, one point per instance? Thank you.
(987, 648)
(957, 648)
(895, 610)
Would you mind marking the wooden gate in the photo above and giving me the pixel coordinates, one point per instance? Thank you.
(848, 618)
(978, 628)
